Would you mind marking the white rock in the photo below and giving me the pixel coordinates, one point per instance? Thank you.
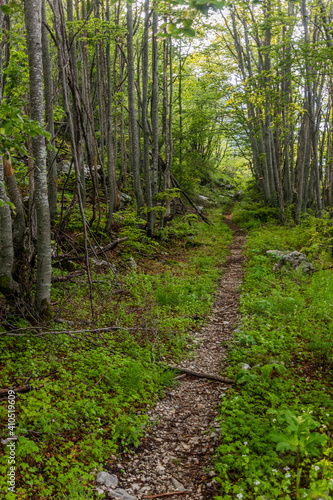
(125, 197)
(159, 467)
(109, 480)
(121, 494)
(99, 262)
(132, 263)
(179, 486)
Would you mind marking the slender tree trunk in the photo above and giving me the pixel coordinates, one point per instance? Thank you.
(100, 100)
(109, 140)
(154, 108)
(146, 144)
(132, 113)
(310, 109)
(33, 22)
(165, 130)
(123, 149)
(180, 111)
(79, 173)
(48, 94)
(19, 219)
(8, 286)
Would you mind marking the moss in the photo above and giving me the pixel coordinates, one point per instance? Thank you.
(46, 310)
(5, 284)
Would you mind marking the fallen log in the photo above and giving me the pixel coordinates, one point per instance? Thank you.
(209, 376)
(98, 251)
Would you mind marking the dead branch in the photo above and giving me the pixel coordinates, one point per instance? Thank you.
(176, 183)
(68, 277)
(323, 269)
(160, 495)
(98, 251)
(209, 376)
(21, 389)
(69, 332)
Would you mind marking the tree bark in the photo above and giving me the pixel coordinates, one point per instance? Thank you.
(33, 22)
(146, 144)
(48, 94)
(132, 113)
(154, 108)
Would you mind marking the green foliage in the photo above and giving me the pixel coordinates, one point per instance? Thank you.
(13, 126)
(91, 391)
(297, 437)
(251, 214)
(275, 425)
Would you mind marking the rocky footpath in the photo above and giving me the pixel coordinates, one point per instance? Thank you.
(175, 458)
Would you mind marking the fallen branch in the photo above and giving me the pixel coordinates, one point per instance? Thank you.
(270, 282)
(98, 251)
(160, 495)
(209, 376)
(324, 269)
(67, 332)
(174, 180)
(21, 389)
(68, 277)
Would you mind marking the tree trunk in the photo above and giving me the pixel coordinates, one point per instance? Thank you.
(33, 22)
(8, 286)
(15, 198)
(109, 140)
(154, 108)
(123, 150)
(48, 94)
(146, 163)
(132, 113)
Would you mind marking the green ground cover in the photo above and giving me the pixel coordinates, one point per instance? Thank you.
(92, 388)
(277, 422)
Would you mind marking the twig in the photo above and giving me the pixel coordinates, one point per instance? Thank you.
(270, 282)
(324, 269)
(203, 385)
(160, 495)
(98, 381)
(227, 307)
(209, 376)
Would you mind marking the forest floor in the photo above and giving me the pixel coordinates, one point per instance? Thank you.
(177, 452)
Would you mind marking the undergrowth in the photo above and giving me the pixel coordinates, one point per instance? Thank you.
(91, 385)
(277, 423)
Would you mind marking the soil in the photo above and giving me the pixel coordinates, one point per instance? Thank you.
(178, 450)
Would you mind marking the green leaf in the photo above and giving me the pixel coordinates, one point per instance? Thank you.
(5, 9)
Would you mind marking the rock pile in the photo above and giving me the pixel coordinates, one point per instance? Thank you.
(296, 260)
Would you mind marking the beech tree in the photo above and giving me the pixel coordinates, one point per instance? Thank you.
(33, 21)
(124, 98)
(285, 87)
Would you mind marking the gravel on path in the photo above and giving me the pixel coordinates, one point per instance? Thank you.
(176, 454)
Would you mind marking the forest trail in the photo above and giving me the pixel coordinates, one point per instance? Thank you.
(178, 450)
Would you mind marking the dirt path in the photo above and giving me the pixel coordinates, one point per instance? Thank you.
(177, 452)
